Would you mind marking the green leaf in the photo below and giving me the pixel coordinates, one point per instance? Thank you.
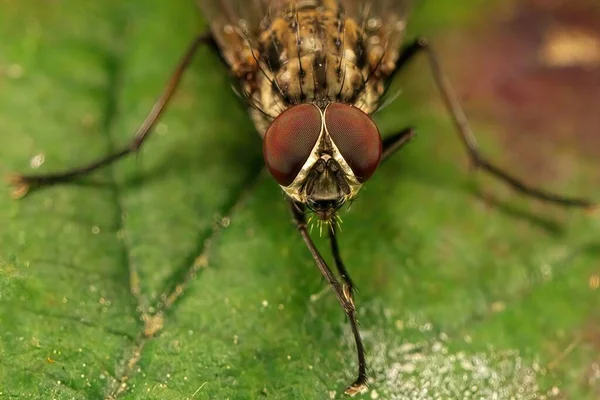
(466, 290)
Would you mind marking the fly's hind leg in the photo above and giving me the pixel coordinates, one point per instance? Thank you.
(468, 139)
(23, 183)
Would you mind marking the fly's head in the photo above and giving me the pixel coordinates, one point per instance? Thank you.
(321, 157)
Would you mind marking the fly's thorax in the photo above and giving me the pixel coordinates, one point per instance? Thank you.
(318, 76)
(321, 155)
(313, 53)
(314, 78)
(287, 52)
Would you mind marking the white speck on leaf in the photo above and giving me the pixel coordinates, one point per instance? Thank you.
(37, 161)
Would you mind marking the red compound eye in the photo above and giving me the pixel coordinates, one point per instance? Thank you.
(356, 137)
(289, 140)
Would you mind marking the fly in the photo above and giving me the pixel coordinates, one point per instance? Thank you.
(313, 72)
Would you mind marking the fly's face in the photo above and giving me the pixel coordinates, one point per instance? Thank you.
(322, 156)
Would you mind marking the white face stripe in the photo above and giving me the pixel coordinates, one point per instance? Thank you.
(294, 190)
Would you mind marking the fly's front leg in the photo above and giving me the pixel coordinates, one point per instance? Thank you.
(468, 139)
(335, 250)
(342, 292)
(23, 183)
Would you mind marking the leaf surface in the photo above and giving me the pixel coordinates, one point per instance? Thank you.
(466, 289)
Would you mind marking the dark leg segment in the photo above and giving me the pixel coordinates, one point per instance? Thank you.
(335, 250)
(23, 183)
(395, 142)
(342, 292)
(460, 120)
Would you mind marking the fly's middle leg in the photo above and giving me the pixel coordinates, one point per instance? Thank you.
(23, 183)
(421, 45)
(395, 142)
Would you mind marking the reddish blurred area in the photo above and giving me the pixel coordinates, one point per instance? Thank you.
(533, 71)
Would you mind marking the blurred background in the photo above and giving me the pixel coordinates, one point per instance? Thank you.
(466, 289)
